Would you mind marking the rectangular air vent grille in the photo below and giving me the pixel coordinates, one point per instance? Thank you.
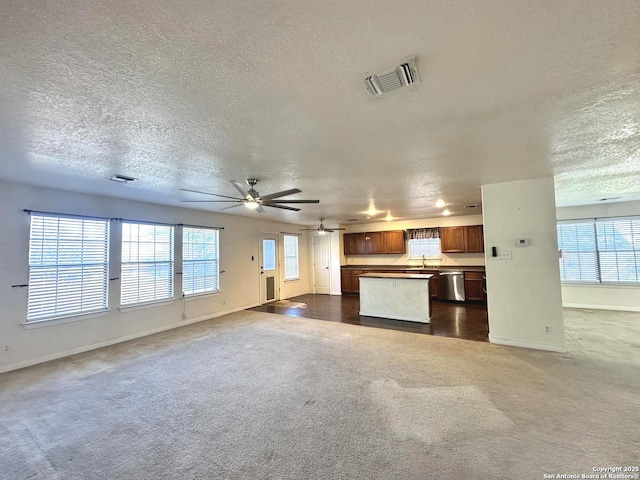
(391, 78)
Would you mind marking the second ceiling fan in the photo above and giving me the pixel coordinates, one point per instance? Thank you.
(321, 228)
(252, 199)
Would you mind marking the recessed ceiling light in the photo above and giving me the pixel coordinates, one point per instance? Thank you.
(446, 213)
(440, 203)
(388, 218)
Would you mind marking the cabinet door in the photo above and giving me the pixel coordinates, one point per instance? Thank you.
(474, 239)
(433, 285)
(394, 242)
(355, 280)
(349, 241)
(473, 286)
(345, 280)
(375, 242)
(360, 243)
(452, 239)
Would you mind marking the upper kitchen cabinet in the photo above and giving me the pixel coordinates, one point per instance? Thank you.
(394, 242)
(452, 240)
(468, 239)
(374, 243)
(474, 240)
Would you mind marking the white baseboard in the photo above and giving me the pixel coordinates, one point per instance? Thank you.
(126, 338)
(534, 346)
(601, 307)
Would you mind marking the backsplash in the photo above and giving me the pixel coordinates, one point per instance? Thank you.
(451, 259)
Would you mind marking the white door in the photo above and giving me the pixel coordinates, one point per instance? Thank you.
(321, 264)
(268, 268)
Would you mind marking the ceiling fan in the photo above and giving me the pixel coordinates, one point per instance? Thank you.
(252, 199)
(321, 228)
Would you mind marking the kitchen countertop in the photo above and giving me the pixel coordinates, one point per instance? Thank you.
(469, 268)
(409, 276)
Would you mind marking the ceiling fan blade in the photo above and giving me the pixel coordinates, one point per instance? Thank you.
(211, 201)
(242, 191)
(207, 193)
(291, 201)
(284, 207)
(308, 229)
(259, 209)
(284, 193)
(230, 206)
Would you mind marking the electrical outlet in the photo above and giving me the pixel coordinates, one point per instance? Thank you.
(547, 329)
(5, 349)
(184, 316)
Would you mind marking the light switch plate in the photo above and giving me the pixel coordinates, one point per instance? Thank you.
(504, 256)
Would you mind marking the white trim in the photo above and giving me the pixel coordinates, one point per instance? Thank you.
(55, 356)
(534, 346)
(144, 306)
(601, 307)
(393, 316)
(198, 296)
(61, 320)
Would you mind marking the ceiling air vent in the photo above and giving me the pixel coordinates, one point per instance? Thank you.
(122, 178)
(389, 78)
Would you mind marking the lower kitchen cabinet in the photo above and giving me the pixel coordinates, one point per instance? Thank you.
(474, 286)
(350, 281)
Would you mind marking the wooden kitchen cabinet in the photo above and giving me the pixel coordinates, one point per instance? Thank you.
(467, 239)
(452, 239)
(474, 239)
(350, 283)
(394, 242)
(374, 243)
(474, 286)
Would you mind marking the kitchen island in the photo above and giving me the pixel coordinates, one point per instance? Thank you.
(400, 296)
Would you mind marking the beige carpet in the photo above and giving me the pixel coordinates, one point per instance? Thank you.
(262, 396)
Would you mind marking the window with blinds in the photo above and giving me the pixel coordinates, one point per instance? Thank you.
(600, 251)
(291, 257)
(429, 247)
(68, 266)
(200, 260)
(147, 263)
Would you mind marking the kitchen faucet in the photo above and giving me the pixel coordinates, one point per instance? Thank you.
(423, 264)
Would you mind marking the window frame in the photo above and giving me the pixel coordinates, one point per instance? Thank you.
(202, 261)
(290, 257)
(124, 264)
(597, 225)
(426, 257)
(97, 291)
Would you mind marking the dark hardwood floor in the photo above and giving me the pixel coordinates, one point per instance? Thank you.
(448, 319)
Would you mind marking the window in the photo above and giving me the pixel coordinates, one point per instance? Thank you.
(68, 266)
(429, 247)
(291, 257)
(147, 263)
(600, 251)
(200, 260)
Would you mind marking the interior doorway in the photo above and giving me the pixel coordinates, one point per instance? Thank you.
(322, 264)
(269, 284)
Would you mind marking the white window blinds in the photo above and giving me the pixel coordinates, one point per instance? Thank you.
(147, 263)
(68, 266)
(429, 247)
(291, 257)
(200, 260)
(601, 250)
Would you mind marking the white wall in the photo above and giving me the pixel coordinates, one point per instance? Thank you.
(607, 297)
(450, 259)
(33, 343)
(523, 294)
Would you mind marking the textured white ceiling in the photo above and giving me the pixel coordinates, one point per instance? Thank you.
(194, 93)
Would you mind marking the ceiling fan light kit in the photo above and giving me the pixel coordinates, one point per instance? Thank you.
(252, 199)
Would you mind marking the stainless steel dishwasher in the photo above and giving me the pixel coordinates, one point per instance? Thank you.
(451, 286)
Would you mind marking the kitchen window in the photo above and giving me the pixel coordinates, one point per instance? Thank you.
(291, 263)
(429, 247)
(147, 263)
(68, 266)
(600, 250)
(200, 260)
